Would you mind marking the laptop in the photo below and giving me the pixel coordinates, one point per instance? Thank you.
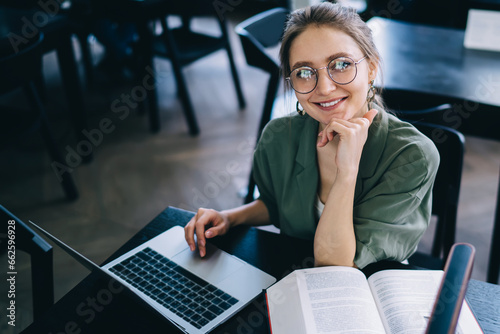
(195, 294)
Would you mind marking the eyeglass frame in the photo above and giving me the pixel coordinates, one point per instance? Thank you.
(316, 71)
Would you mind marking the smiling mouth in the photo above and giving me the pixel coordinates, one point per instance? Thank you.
(331, 104)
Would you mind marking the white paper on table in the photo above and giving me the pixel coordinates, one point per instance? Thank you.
(483, 30)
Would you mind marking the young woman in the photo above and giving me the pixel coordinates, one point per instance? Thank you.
(342, 171)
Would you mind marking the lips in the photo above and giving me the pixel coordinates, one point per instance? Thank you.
(330, 103)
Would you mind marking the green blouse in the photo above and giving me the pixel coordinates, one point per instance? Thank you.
(393, 195)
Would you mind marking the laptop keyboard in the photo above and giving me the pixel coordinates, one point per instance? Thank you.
(190, 297)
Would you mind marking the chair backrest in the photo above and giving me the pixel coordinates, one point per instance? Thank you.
(22, 237)
(260, 32)
(445, 194)
(257, 33)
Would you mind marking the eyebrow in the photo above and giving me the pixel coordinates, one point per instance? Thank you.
(328, 59)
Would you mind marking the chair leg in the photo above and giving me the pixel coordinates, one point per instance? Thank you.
(494, 262)
(86, 57)
(181, 83)
(147, 70)
(35, 103)
(74, 90)
(234, 72)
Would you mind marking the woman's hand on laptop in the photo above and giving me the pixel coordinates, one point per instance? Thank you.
(206, 224)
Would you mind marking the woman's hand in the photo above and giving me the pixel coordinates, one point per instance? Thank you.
(206, 224)
(351, 136)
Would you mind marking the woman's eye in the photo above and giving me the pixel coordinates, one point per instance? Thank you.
(304, 74)
(340, 65)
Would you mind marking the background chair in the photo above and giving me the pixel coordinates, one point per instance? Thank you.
(20, 70)
(183, 46)
(41, 261)
(494, 262)
(445, 194)
(257, 33)
(58, 29)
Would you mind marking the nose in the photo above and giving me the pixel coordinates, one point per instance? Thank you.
(325, 84)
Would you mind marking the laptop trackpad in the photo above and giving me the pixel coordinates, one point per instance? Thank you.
(214, 267)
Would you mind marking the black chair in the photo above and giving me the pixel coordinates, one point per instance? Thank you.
(26, 240)
(257, 33)
(51, 19)
(20, 69)
(445, 194)
(494, 262)
(184, 46)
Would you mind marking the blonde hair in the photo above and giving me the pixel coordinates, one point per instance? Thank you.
(335, 16)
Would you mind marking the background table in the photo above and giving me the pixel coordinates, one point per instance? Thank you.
(427, 65)
(97, 305)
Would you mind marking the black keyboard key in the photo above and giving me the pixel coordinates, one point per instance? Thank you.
(203, 322)
(218, 293)
(232, 301)
(190, 276)
(208, 315)
(211, 288)
(118, 267)
(205, 303)
(192, 295)
(199, 310)
(224, 305)
(215, 309)
(143, 256)
(199, 299)
(217, 301)
(203, 292)
(225, 297)
(174, 293)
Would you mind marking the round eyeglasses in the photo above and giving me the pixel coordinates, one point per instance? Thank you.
(342, 70)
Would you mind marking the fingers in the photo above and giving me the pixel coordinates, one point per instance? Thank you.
(344, 126)
(370, 115)
(189, 232)
(196, 226)
(335, 127)
(205, 224)
(214, 231)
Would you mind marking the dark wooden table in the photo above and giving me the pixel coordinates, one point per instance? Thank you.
(428, 65)
(98, 305)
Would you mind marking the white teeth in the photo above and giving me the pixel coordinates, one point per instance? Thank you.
(329, 104)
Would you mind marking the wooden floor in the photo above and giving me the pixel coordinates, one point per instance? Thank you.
(136, 174)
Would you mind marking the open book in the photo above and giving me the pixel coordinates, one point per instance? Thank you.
(342, 299)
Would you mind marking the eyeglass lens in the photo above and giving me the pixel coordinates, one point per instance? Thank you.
(341, 70)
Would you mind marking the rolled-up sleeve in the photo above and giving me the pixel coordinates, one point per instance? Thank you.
(390, 219)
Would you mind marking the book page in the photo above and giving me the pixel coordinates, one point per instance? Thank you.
(337, 300)
(284, 306)
(406, 297)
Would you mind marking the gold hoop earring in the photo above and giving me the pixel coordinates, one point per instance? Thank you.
(300, 111)
(371, 93)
